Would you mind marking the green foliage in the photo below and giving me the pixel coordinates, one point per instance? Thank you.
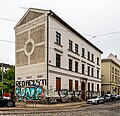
(9, 81)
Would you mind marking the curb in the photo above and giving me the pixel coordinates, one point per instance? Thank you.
(23, 106)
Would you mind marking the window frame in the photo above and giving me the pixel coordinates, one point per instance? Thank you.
(83, 68)
(70, 64)
(58, 38)
(70, 45)
(76, 66)
(58, 60)
(88, 55)
(83, 52)
(76, 48)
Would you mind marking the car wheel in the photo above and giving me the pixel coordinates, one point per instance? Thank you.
(9, 104)
(97, 102)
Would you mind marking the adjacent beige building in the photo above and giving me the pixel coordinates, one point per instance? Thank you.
(111, 75)
(50, 52)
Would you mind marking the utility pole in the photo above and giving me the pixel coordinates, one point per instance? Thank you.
(2, 79)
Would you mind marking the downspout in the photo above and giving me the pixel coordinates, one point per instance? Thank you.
(47, 50)
(110, 77)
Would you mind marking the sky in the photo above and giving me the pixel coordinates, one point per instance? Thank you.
(97, 20)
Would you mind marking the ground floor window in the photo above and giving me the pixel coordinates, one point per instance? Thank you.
(70, 84)
(76, 85)
(58, 84)
(88, 86)
(92, 86)
(97, 87)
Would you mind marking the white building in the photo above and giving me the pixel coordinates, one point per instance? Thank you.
(51, 52)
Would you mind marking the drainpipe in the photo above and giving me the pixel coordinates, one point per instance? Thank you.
(47, 50)
(110, 77)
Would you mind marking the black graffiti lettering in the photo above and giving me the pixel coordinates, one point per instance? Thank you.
(23, 83)
(31, 83)
(27, 83)
(18, 83)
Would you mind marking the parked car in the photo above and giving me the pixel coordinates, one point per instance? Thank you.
(111, 97)
(6, 102)
(118, 97)
(108, 97)
(95, 100)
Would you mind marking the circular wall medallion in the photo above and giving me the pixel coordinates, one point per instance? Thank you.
(29, 47)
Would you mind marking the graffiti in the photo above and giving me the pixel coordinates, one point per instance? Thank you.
(31, 83)
(30, 93)
(30, 89)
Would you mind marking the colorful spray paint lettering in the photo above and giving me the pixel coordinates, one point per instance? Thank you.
(33, 91)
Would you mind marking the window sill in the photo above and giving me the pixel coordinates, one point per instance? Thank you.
(58, 44)
(73, 52)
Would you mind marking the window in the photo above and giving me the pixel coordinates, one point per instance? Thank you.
(76, 48)
(58, 60)
(70, 64)
(88, 71)
(70, 45)
(76, 66)
(88, 86)
(88, 55)
(76, 85)
(70, 85)
(58, 38)
(112, 69)
(97, 73)
(112, 78)
(97, 87)
(58, 84)
(92, 57)
(92, 72)
(97, 61)
(92, 87)
(83, 69)
(83, 52)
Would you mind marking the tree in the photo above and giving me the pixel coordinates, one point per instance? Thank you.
(8, 80)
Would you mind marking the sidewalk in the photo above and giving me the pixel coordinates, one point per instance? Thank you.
(27, 106)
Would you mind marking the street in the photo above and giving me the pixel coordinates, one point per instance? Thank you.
(106, 109)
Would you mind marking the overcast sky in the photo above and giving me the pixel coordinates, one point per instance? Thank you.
(100, 18)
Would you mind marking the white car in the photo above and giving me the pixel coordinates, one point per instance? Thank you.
(95, 100)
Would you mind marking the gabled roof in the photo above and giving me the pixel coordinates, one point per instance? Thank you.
(31, 14)
(37, 12)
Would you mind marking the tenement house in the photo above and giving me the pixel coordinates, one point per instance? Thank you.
(111, 75)
(51, 53)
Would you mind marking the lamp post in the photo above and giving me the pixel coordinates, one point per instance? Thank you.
(2, 79)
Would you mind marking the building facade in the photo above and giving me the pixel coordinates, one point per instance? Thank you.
(51, 53)
(111, 75)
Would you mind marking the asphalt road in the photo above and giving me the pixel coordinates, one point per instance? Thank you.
(106, 109)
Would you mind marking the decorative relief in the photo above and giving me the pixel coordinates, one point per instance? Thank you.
(31, 52)
(29, 47)
(38, 34)
(21, 39)
(38, 55)
(21, 59)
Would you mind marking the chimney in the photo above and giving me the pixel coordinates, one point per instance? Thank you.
(115, 56)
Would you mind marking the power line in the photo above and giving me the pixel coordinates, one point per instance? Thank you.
(8, 19)
(104, 34)
(93, 36)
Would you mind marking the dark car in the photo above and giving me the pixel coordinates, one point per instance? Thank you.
(108, 97)
(6, 102)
